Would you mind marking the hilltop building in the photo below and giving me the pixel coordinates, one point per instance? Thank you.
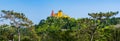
(59, 14)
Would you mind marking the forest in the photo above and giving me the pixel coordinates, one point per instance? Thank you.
(99, 26)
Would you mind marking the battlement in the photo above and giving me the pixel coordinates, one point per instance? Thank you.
(58, 14)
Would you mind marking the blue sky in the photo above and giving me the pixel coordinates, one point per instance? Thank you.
(36, 10)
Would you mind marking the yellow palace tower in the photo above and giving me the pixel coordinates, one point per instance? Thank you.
(59, 14)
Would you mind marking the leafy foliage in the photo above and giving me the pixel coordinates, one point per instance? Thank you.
(101, 27)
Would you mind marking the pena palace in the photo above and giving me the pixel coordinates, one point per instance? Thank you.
(59, 14)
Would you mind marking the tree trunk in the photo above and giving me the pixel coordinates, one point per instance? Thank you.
(13, 39)
(10, 40)
(91, 37)
(18, 34)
